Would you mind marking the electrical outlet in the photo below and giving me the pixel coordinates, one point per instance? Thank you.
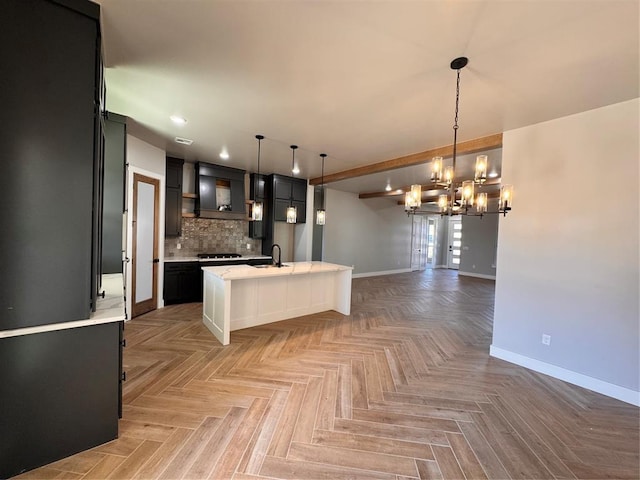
(248, 246)
(179, 246)
(546, 339)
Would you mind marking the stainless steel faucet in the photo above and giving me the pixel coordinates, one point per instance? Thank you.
(279, 262)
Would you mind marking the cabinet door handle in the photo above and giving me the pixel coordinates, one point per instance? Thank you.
(156, 260)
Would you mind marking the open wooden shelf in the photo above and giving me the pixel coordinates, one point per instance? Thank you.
(189, 195)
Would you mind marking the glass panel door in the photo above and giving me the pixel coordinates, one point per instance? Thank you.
(455, 242)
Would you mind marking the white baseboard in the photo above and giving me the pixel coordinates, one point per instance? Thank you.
(376, 274)
(605, 388)
(477, 275)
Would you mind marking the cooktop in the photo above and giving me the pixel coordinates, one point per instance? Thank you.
(219, 255)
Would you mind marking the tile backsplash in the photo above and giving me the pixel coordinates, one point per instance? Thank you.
(200, 235)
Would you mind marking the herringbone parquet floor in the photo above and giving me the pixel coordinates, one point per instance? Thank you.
(403, 388)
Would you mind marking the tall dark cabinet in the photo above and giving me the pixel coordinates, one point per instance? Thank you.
(115, 133)
(173, 197)
(280, 193)
(58, 388)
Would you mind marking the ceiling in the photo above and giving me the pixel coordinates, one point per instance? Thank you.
(363, 81)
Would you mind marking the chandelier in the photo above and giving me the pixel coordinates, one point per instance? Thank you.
(461, 198)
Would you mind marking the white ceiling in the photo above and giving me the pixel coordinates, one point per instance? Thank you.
(363, 81)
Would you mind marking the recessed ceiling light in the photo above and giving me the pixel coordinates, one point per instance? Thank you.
(224, 154)
(178, 120)
(183, 141)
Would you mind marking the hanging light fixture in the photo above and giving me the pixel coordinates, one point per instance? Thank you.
(469, 201)
(413, 198)
(257, 208)
(292, 212)
(321, 214)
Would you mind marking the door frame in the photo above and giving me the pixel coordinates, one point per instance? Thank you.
(132, 169)
(152, 303)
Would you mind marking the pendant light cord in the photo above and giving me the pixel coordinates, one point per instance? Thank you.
(255, 184)
(323, 155)
(455, 142)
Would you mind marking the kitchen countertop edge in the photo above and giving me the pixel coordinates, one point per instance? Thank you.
(243, 272)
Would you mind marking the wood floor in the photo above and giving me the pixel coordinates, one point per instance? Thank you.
(402, 389)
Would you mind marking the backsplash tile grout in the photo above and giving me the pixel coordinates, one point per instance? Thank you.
(202, 235)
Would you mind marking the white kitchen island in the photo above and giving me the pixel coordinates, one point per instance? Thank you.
(242, 296)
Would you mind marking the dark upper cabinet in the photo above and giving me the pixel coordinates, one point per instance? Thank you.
(51, 172)
(115, 131)
(174, 172)
(280, 210)
(286, 192)
(282, 187)
(220, 190)
(299, 190)
(257, 194)
(173, 201)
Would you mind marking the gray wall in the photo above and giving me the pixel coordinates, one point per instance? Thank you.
(479, 244)
(373, 235)
(568, 253)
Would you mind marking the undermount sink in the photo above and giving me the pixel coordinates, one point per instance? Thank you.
(269, 266)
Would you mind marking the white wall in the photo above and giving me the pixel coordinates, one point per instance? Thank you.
(148, 160)
(568, 253)
(373, 235)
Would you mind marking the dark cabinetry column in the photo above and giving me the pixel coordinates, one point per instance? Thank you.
(257, 194)
(50, 249)
(115, 131)
(281, 192)
(173, 200)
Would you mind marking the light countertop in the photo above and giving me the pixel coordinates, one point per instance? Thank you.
(240, 272)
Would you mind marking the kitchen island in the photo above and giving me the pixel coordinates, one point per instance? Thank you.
(242, 296)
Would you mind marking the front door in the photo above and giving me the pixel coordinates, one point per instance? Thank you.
(455, 242)
(146, 206)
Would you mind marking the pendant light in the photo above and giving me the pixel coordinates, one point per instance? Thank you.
(292, 212)
(257, 207)
(321, 214)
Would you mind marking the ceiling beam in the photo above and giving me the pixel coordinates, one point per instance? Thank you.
(425, 190)
(470, 146)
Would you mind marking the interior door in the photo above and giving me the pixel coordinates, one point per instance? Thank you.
(144, 274)
(455, 243)
(419, 243)
(432, 226)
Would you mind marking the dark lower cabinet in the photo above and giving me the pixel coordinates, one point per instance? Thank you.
(182, 282)
(59, 394)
